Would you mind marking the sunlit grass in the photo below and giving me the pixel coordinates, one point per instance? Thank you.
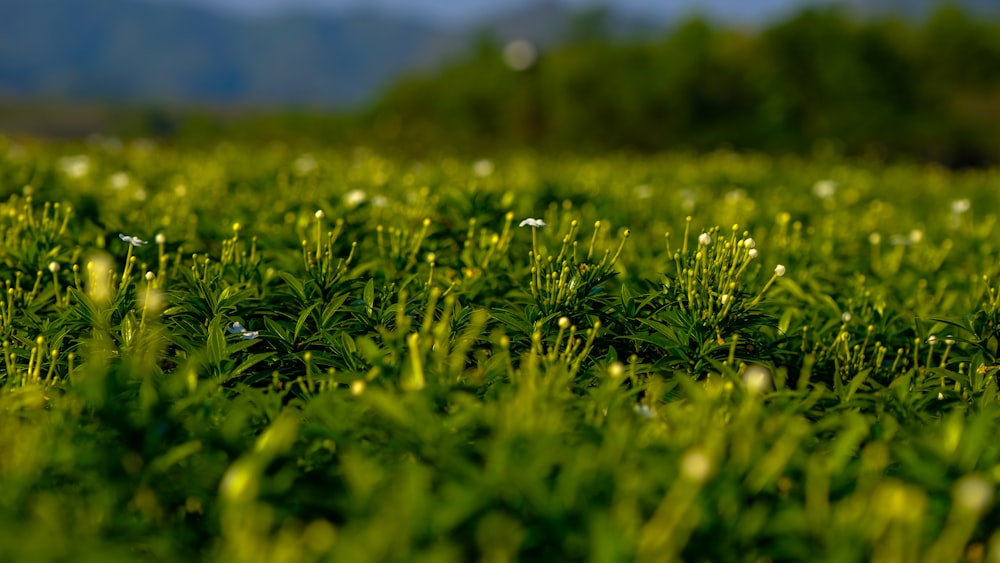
(265, 355)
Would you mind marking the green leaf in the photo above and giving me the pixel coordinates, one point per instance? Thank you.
(297, 287)
(368, 295)
(215, 347)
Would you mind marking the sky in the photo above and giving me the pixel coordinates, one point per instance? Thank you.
(457, 12)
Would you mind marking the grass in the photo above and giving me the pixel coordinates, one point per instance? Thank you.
(340, 357)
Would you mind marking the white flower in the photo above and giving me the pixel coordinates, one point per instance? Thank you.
(846, 317)
(54, 267)
(134, 241)
(119, 180)
(305, 164)
(704, 239)
(824, 189)
(973, 493)
(960, 206)
(757, 379)
(161, 238)
(779, 270)
(749, 243)
(75, 166)
(245, 334)
(319, 214)
(150, 276)
(752, 253)
(355, 198)
(482, 168)
(644, 411)
(530, 222)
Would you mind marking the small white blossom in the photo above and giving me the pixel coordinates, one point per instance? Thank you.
(973, 493)
(824, 189)
(749, 243)
(752, 253)
(960, 206)
(75, 166)
(482, 168)
(161, 238)
(779, 270)
(704, 239)
(134, 241)
(54, 267)
(150, 276)
(530, 222)
(305, 164)
(237, 328)
(757, 379)
(319, 214)
(355, 198)
(119, 180)
(644, 411)
(846, 317)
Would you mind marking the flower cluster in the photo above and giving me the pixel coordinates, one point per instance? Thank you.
(709, 282)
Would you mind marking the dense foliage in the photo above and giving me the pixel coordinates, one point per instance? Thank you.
(261, 355)
(819, 79)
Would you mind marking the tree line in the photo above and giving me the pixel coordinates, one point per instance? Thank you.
(821, 79)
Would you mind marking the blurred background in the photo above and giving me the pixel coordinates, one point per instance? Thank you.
(888, 79)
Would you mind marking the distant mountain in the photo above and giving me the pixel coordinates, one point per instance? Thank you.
(175, 52)
(122, 49)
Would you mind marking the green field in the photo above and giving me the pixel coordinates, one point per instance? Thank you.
(339, 356)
